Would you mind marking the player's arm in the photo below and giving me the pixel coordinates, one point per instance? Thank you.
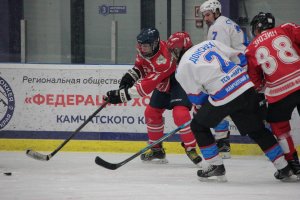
(189, 78)
(164, 65)
(122, 95)
(146, 85)
(293, 30)
(132, 75)
(237, 56)
(255, 72)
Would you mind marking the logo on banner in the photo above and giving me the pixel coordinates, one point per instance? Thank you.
(7, 103)
(106, 10)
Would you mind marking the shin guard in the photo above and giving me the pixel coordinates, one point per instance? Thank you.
(268, 143)
(181, 115)
(282, 131)
(155, 124)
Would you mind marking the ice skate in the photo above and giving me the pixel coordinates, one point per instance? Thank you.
(195, 158)
(154, 155)
(224, 147)
(193, 155)
(212, 173)
(295, 165)
(286, 175)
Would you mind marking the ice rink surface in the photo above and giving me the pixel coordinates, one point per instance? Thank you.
(69, 176)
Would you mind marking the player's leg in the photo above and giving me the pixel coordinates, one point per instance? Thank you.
(207, 117)
(181, 106)
(210, 153)
(222, 134)
(155, 127)
(249, 122)
(221, 130)
(282, 131)
(279, 115)
(181, 115)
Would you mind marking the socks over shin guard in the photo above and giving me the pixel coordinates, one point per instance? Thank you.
(282, 130)
(181, 115)
(287, 146)
(155, 124)
(268, 143)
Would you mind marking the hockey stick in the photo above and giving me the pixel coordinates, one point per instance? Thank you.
(39, 156)
(113, 166)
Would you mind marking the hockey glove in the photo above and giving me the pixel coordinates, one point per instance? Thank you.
(118, 96)
(130, 78)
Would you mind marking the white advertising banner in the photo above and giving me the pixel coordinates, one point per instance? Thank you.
(47, 97)
(61, 97)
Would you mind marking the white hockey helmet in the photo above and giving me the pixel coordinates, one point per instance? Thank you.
(211, 5)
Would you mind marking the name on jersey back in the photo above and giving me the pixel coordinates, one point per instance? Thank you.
(264, 37)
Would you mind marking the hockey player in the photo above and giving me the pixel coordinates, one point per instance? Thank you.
(153, 71)
(222, 28)
(178, 43)
(207, 67)
(225, 30)
(274, 67)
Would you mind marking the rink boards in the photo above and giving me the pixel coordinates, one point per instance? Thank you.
(41, 105)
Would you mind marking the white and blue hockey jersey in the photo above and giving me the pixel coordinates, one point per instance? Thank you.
(229, 33)
(208, 67)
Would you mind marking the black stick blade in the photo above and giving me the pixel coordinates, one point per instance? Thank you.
(37, 155)
(107, 165)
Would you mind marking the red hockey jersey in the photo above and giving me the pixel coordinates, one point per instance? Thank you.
(156, 71)
(274, 61)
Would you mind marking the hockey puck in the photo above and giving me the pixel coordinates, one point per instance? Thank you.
(7, 173)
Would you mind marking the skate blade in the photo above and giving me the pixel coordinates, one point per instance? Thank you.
(225, 155)
(218, 179)
(156, 161)
(293, 178)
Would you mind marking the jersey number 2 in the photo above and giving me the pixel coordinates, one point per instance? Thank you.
(226, 66)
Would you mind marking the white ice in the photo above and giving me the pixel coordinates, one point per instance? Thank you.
(75, 176)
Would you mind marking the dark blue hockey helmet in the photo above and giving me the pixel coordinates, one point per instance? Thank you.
(262, 21)
(149, 36)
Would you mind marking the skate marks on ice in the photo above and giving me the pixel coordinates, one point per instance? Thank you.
(76, 176)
